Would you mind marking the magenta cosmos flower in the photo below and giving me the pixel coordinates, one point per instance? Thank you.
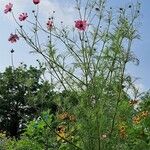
(13, 38)
(81, 24)
(36, 2)
(49, 25)
(23, 16)
(8, 8)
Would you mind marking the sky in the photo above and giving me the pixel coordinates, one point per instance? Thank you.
(65, 11)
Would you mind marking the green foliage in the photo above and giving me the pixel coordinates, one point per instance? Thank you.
(23, 144)
(23, 94)
(92, 107)
(37, 135)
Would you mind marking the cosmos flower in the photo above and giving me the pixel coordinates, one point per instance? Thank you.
(23, 16)
(36, 2)
(8, 8)
(13, 38)
(81, 24)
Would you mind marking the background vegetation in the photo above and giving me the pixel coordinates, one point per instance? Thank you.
(86, 104)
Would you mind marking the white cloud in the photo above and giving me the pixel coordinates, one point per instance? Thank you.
(139, 87)
(63, 13)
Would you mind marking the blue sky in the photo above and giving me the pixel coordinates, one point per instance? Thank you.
(64, 10)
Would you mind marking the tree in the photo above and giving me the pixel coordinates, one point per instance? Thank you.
(23, 95)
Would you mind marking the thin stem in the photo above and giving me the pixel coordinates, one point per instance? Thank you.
(120, 88)
(12, 61)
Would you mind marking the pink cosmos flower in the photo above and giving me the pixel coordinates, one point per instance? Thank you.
(13, 38)
(81, 24)
(36, 2)
(23, 16)
(8, 8)
(49, 25)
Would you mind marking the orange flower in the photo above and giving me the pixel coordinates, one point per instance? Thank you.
(144, 114)
(63, 116)
(136, 119)
(122, 131)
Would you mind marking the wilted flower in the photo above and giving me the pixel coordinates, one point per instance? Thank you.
(12, 51)
(97, 9)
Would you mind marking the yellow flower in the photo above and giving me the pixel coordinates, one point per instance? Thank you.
(61, 136)
(122, 131)
(61, 128)
(61, 133)
(144, 114)
(122, 128)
